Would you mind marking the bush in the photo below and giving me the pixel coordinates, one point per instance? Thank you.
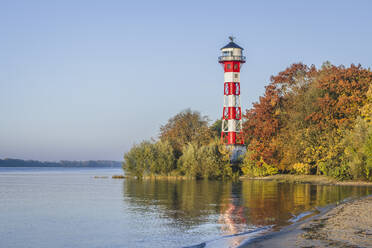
(150, 158)
(188, 163)
(215, 160)
(322, 169)
(255, 168)
(368, 152)
(335, 170)
(209, 161)
(301, 168)
(358, 150)
(341, 172)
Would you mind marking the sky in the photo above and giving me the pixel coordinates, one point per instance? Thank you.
(85, 80)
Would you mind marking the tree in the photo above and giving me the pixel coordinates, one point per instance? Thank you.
(150, 158)
(165, 159)
(188, 163)
(186, 127)
(304, 115)
(216, 128)
(208, 161)
(343, 93)
(270, 114)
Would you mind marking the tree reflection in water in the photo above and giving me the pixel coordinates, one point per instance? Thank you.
(231, 207)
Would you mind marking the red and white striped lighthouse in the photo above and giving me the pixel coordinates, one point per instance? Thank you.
(232, 59)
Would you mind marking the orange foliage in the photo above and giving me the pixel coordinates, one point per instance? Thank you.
(344, 93)
(335, 97)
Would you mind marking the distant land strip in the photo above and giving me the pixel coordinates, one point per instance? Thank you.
(10, 162)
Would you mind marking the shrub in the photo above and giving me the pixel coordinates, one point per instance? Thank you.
(255, 168)
(301, 168)
(368, 152)
(188, 163)
(209, 161)
(322, 169)
(215, 160)
(149, 158)
(357, 152)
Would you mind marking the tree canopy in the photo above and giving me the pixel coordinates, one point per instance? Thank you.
(305, 116)
(309, 121)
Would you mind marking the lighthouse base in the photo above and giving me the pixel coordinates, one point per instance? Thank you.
(237, 151)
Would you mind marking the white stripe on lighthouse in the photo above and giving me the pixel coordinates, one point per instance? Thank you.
(231, 124)
(231, 101)
(232, 76)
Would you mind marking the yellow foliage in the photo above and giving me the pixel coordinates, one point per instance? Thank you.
(366, 110)
(301, 168)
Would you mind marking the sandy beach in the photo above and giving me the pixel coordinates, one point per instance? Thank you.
(346, 225)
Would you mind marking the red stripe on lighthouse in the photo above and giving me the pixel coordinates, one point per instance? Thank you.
(232, 88)
(231, 66)
(232, 113)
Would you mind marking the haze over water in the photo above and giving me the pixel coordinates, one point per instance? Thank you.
(68, 207)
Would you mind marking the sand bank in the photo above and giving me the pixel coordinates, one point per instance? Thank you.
(346, 225)
(313, 179)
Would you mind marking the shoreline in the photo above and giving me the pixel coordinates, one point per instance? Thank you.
(348, 224)
(280, 178)
(311, 179)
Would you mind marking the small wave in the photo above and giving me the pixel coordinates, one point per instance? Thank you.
(300, 216)
(204, 244)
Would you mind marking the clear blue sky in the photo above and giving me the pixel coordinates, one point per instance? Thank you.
(85, 80)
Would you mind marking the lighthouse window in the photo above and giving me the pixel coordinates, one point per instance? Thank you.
(236, 75)
(228, 66)
(235, 66)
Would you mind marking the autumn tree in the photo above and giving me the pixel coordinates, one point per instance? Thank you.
(343, 93)
(186, 127)
(270, 114)
(216, 128)
(305, 114)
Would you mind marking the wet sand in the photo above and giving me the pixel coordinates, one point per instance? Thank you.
(346, 225)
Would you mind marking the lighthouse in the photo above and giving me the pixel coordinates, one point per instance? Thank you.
(232, 134)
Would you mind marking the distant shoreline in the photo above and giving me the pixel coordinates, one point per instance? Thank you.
(17, 163)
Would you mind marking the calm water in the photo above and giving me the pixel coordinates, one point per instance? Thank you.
(49, 207)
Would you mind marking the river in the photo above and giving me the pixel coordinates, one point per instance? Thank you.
(69, 207)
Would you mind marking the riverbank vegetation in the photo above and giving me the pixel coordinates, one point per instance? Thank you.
(187, 146)
(310, 121)
(314, 121)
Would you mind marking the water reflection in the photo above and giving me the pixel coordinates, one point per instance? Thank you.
(189, 202)
(226, 208)
(272, 203)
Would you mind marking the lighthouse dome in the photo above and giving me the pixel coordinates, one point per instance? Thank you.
(232, 52)
(232, 44)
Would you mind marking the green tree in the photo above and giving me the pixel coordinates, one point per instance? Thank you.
(185, 127)
(188, 163)
(138, 159)
(208, 161)
(216, 128)
(357, 149)
(368, 152)
(150, 158)
(215, 160)
(165, 159)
